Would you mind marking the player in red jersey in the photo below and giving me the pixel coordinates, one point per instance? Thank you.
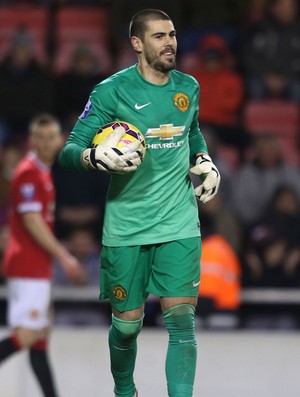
(31, 247)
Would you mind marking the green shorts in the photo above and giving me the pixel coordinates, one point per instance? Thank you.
(129, 274)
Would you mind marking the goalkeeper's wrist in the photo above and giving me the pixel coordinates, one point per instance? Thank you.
(202, 157)
(88, 159)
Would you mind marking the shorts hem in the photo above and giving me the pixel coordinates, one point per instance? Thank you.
(176, 295)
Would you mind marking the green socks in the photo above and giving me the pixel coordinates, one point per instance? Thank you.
(123, 348)
(182, 350)
(181, 356)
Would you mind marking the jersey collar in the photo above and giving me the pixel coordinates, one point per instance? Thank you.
(34, 158)
(148, 82)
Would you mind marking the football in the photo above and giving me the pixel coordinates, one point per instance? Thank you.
(132, 134)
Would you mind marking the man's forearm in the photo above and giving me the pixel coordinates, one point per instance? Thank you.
(71, 157)
(42, 235)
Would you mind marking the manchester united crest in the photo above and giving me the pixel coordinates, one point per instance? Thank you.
(181, 101)
(119, 292)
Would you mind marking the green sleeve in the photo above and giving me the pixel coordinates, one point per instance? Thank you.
(196, 139)
(70, 156)
(97, 113)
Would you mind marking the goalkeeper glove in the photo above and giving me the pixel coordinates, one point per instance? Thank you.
(210, 177)
(108, 157)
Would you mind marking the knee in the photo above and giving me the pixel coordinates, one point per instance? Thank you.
(127, 330)
(180, 319)
(28, 337)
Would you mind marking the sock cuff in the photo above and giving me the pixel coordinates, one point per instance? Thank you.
(126, 326)
(184, 308)
(118, 320)
(40, 345)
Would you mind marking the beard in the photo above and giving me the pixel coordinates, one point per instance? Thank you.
(158, 64)
(164, 67)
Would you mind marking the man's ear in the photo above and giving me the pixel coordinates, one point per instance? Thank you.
(136, 44)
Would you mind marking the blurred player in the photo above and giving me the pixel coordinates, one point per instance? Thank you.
(31, 246)
(151, 235)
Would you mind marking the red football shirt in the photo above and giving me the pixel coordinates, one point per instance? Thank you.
(32, 190)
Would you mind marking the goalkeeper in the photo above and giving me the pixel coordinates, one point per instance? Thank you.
(151, 232)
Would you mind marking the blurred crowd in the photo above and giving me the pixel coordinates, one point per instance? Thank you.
(246, 58)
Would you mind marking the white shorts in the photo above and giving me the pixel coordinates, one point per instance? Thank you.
(28, 303)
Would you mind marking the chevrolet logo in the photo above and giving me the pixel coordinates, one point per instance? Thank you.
(165, 131)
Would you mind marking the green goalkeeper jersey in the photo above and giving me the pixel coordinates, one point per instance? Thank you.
(156, 203)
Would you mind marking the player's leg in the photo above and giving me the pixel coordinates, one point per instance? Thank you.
(9, 346)
(36, 341)
(123, 334)
(19, 339)
(123, 280)
(181, 357)
(175, 278)
(38, 355)
(28, 315)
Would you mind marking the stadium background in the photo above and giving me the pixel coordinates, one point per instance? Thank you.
(247, 348)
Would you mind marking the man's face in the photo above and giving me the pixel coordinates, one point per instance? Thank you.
(159, 46)
(285, 11)
(47, 141)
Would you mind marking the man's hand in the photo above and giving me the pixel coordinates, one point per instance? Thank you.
(210, 177)
(72, 268)
(108, 157)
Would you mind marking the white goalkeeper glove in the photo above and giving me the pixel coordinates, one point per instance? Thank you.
(210, 177)
(108, 157)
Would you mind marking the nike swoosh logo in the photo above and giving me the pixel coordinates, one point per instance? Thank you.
(196, 284)
(138, 107)
(186, 341)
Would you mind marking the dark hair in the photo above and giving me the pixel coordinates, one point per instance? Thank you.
(42, 119)
(138, 23)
